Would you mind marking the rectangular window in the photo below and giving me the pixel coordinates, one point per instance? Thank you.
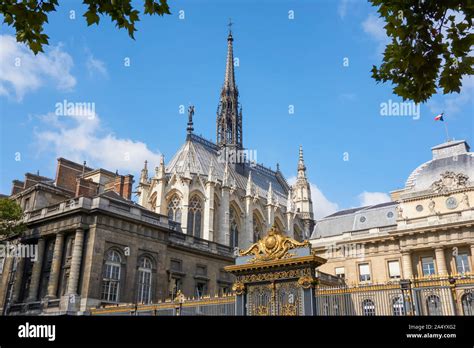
(176, 265)
(200, 289)
(394, 269)
(340, 272)
(427, 265)
(462, 263)
(364, 272)
(27, 204)
(201, 270)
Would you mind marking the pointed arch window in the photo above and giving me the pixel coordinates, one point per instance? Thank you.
(144, 280)
(234, 229)
(257, 228)
(195, 217)
(174, 208)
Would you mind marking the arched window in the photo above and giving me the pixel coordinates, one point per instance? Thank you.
(433, 303)
(174, 208)
(279, 225)
(194, 216)
(368, 307)
(467, 301)
(257, 228)
(111, 277)
(234, 229)
(298, 233)
(398, 306)
(144, 280)
(153, 201)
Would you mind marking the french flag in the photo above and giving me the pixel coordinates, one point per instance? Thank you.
(439, 117)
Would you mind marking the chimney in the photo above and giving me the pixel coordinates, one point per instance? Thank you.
(127, 187)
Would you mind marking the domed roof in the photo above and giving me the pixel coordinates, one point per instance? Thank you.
(452, 156)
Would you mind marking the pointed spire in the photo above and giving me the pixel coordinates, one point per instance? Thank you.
(229, 79)
(144, 173)
(225, 179)
(229, 111)
(301, 165)
(248, 191)
(210, 175)
(160, 171)
(270, 194)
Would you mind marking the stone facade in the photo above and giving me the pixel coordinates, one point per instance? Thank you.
(426, 230)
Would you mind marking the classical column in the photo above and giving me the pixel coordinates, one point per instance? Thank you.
(407, 265)
(18, 282)
(36, 273)
(441, 261)
(76, 262)
(56, 265)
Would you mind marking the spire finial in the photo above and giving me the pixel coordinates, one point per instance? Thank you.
(230, 26)
(190, 119)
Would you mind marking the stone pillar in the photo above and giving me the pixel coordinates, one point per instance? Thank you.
(289, 222)
(223, 237)
(56, 265)
(407, 266)
(472, 257)
(441, 261)
(209, 212)
(18, 282)
(184, 215)
(270, 216)
(248, 221)
(36, 273)
(76, 262)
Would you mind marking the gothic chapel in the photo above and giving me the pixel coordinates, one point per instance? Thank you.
(231, 202)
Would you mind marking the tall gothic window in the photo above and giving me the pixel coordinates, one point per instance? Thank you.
(111, 280)
(174, 208)
(298, 233)
(257, 228)
(194, 216)
(144, 280)
(234, 229)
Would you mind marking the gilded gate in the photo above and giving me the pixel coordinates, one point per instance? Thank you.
(275, 276)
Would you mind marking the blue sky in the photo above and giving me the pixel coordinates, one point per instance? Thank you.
(283, 61)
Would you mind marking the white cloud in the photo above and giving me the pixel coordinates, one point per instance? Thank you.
(343, 7)
(374, 27)
(80, 138)
(321, 205)
(372, 198)
(22, 72)
(95, 65)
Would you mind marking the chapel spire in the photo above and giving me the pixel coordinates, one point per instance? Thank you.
(229, 112)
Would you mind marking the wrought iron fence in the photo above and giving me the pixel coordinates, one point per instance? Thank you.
(435, 295)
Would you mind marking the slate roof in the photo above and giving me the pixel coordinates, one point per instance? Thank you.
(198, 153)
(356, 219)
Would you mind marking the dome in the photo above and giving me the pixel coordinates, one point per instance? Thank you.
(452, 156)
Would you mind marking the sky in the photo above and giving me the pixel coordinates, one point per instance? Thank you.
(303, 73)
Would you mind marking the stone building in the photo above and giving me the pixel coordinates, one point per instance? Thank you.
(426, 231)
(93, 246)
(217, 192)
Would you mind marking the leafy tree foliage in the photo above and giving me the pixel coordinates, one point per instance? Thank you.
(29, 16)
(430, 46)
(10, 218)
